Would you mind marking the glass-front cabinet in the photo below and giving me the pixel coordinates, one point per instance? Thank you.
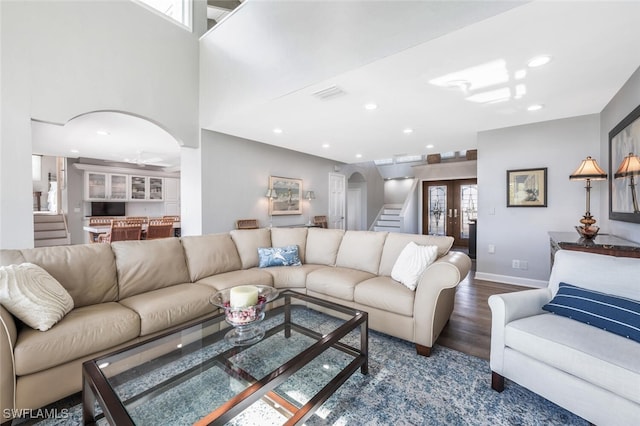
(147, 188)
(105, 186)
(139, 188)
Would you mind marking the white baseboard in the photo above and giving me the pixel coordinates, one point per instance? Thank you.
(507, 279)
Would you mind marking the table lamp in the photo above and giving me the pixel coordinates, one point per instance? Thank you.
(630, 167)
(588, 170)
(270, 194)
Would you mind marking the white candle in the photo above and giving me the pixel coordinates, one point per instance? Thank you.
(244, 295)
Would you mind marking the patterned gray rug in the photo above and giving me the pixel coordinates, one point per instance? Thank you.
(402, 388)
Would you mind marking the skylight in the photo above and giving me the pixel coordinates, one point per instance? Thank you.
(176, 10)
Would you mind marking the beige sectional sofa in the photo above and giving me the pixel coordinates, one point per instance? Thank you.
(130, 291)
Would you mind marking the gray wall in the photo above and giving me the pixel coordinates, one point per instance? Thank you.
(375, 187)
(235, 177)
(625, 101)
(521, 233)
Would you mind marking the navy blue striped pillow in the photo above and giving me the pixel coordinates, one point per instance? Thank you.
(615, 314)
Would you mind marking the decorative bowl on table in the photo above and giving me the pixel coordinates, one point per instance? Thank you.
(244, 309)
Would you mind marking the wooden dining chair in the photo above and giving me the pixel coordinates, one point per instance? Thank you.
(175, 218)
(320, 221)
(247, 224)
(98, 221)
(122, 230)
(159, 228)
(144, 219)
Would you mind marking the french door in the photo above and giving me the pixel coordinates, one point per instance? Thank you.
(447, 208)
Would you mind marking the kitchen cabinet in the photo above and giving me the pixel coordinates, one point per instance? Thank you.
(147, 188)
(105, 186)
(172, 196)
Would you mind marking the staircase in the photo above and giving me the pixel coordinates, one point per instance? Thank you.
(50, 230)
(389, 220)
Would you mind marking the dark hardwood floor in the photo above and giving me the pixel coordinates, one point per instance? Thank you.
(469, 329)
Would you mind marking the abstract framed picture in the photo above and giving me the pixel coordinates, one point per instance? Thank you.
(288, 193)
(624, 169)
(527, 188)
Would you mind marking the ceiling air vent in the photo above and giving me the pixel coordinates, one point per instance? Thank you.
(329, 93)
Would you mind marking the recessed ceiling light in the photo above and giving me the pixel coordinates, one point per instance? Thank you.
(326, 145)
(370, 106)
(535, 107)
(277, 130)
(102, 133)
(407, 131)
(74, 151)
(430, 146)
(539, 61)
(358, 155)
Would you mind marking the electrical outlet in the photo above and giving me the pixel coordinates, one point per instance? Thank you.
(492, 249)
(515, 264)
(524, 264)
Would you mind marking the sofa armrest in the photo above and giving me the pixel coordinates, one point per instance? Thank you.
(430, 310)
(509, 307)
(8, 337)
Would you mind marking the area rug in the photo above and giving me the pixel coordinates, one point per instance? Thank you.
(403, 388)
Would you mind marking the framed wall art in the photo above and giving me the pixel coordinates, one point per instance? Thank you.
(624, 169)
(288, 193)
(527, 188)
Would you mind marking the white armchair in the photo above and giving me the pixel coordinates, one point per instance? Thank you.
(590, 372)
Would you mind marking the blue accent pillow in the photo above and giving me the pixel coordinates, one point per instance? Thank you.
(279, 256)
(614, 314)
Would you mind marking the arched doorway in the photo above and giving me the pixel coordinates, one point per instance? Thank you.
(357, 202)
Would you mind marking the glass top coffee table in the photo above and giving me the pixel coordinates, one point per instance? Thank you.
(193, 376)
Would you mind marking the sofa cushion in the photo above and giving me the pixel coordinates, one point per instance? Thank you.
(336, 281)
(82, 332)
(11, 257)
(323, 245)
(361, 250)
(210, 254)
(596, 356)
(395, 242)
(412, 262)
(226, 280)
(86, 271)
(290, 236)
(617, 315)
(33, 296)
(386, 294)
(170, 306)
(278, 256)
(247, 242)
(149, 265)
(291, 276)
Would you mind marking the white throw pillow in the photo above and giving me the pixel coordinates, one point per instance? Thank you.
(33, 296)
(412, 262)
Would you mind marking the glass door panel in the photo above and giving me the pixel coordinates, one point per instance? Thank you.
(449, 207)
(138, 187)
(468, 207)
(437, 208)
(97, 186)
(118, 187)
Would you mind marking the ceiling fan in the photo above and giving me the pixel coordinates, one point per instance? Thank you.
(150, 159)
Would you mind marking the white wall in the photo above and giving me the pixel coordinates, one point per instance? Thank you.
(625, 101)
(396, 191)
(60, 59)
(521, 233)
(235, 178)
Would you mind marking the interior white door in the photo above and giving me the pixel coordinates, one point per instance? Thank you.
(354, 209)
(337, 200)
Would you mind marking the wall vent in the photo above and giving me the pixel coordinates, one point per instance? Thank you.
(329, 93)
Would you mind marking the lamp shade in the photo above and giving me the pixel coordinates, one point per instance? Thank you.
(310, 195)
(270, 193)
(588, 169)
(630, 166)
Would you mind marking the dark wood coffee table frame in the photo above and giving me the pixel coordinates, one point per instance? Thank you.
(96, 387)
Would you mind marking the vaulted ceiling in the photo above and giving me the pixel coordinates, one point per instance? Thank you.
(266, 66)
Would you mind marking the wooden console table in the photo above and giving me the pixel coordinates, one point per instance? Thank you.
(601, 244)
